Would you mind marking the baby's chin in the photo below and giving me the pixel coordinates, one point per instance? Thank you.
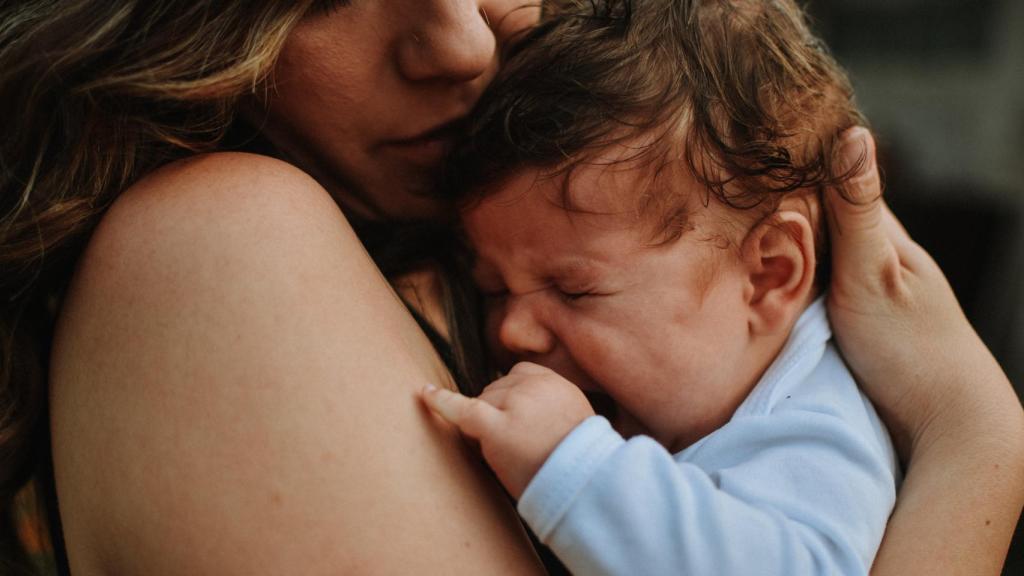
(623, 422)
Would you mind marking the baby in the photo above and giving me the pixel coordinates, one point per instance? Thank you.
(640, 189)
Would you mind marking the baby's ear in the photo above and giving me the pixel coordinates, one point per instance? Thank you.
(778, 258)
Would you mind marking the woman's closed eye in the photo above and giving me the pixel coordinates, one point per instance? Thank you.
(328, 6)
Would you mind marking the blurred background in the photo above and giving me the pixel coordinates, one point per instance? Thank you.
(942, 84)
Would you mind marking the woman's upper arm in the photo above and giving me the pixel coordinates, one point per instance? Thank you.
(234, 392)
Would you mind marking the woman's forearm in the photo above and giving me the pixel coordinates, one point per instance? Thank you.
(951, 410)
(964, 487)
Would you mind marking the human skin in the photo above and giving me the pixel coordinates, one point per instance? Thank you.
(233, 381)
(233, 385)
(956, 413)
(392, 75)
(951, 410)
(675, 334)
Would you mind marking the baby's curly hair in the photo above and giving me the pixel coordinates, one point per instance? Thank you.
(740, 89)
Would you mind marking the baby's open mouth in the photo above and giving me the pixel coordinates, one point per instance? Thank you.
(602, 404)
(621, 420)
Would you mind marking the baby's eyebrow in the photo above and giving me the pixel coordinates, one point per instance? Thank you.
(575, 267)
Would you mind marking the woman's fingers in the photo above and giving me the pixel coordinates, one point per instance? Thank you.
(866, 236)
(473, 416)
(856, 223)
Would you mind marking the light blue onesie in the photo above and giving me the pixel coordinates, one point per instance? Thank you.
(800, 481)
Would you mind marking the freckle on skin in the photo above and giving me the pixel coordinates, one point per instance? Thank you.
(276, 498)
(987, 522)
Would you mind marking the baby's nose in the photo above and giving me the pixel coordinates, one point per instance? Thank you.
(523, 331)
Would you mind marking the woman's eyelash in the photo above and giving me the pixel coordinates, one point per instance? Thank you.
(327, 6)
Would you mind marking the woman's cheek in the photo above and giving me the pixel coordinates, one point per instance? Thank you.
(513, 17)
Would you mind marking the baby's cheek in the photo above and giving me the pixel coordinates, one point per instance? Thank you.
(596, 360)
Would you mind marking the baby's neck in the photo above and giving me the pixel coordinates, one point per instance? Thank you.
(757, 358)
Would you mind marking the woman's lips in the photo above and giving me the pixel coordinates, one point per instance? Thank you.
(426, 151)
(429, 148)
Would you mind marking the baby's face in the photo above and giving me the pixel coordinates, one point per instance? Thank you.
(659, 330)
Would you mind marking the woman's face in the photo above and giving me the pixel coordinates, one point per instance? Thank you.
(365, 93)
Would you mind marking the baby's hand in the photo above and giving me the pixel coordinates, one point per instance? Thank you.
(518, 419)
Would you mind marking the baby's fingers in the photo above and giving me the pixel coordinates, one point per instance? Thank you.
(529, 368)
(473, 416)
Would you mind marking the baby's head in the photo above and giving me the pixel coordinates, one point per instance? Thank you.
(641, 189)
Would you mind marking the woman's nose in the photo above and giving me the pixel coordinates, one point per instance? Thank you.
(522, 332)
(451, 40)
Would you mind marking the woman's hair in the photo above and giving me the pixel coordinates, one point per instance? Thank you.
(95, 95)
(739, 89)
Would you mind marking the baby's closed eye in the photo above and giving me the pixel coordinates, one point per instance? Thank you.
(573, 295)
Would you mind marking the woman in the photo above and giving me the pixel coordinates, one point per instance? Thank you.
(232, 383)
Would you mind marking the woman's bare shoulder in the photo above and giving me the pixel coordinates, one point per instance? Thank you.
(233, 391)
(239, 190)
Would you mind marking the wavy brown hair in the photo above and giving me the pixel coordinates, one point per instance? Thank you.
(97, 94)
(741, 91)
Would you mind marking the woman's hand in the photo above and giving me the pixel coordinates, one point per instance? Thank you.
(518, 419)
(895, 316)
(949, 406)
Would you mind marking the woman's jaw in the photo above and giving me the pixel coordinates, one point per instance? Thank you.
(367, 97)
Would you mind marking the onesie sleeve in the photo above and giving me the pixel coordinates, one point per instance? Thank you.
(797, 493)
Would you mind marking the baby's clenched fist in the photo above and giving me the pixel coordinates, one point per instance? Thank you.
(518, 420)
